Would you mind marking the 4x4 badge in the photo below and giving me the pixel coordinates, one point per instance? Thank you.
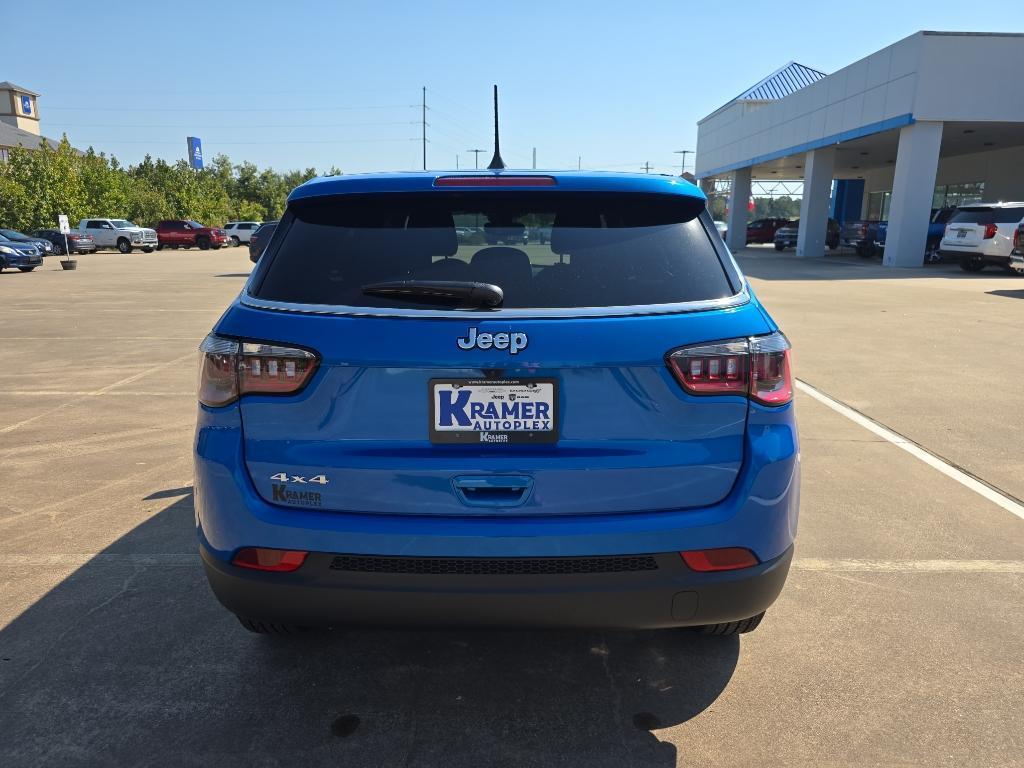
(513, 342)
(281, 477)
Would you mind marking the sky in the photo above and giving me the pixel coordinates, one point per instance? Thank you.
(600, 85)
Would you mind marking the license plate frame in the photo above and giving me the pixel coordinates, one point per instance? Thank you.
(488, 389)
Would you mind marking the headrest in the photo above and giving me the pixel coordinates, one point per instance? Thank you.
(569, 230)
(438, 236)
(502, 264)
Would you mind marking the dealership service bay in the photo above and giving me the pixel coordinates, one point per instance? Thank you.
(896, 641)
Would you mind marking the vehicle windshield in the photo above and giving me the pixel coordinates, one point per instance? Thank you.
(1008, 215)
(543, 249)
(196, 225)
(121, 223)
(12, 234)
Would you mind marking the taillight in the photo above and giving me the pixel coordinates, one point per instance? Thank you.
(758, 368)
(1017, 242)
(229, 369)
(498, 180)
(264, 559)
(724, 559)
(863, 230)
(990, 231)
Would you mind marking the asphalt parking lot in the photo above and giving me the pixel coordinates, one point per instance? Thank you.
(898, 639)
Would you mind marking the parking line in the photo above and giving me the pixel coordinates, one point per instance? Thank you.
(100, 391)
(965, 479)
(86, 392)
(909, 566)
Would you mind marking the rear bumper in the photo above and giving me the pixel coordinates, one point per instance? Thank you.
(955, 254)
(668, 595)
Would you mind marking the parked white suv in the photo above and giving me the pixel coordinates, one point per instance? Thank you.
(982, 234)
(241, 231)
(118, 233)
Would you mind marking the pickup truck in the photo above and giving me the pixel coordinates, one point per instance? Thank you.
(1017, 254)
(118, 233)
(184, 233)
(868, 237)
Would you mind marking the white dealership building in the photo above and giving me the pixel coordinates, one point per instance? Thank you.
(936, 119)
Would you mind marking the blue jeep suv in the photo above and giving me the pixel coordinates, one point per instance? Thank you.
(401, 426)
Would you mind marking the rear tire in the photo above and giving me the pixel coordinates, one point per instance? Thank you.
(25, 269)
(203, 243)
(147, 249)
(731, 627)
(971, 264)
(259, 627)
(234, 241)
(160, 246)
(124, 246)
(58, 249)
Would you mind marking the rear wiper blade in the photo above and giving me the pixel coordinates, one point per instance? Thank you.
(463, 293)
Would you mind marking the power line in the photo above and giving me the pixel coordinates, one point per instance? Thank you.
(239, 109)
(202, 126)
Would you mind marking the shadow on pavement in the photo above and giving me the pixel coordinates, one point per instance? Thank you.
(1019, 294)
(130, 661)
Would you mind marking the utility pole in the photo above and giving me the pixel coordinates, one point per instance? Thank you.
(579, 162)
(535, 158)
(684, 153)
(647, 167)
(476, 157)
(456, 161)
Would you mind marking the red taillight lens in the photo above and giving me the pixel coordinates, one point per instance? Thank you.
(229, 369)
(263, 559)
(771, 375)
(758, 367)
(725, 559)
(1018, 242)
(495, 181)
(990, 231)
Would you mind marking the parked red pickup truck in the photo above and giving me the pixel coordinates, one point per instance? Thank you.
(182, 233)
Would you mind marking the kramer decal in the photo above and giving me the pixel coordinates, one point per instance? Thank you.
(285, 495)
(513, 342)
(517, 416)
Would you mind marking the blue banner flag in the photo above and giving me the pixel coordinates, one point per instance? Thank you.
(195, 153)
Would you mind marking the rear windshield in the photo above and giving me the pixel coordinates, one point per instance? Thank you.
(988, 216)
(543, 249)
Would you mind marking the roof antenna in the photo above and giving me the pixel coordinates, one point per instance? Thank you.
(496, 162)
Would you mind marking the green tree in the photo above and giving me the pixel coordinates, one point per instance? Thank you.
(37, 185)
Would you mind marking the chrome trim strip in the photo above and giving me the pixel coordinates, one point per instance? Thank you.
(739, 299)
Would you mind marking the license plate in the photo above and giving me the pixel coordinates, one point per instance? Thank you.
(498, 411)
(961, 234)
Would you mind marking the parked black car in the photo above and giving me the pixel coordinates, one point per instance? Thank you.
(259, 240)
(18, 237)
(785, 237)
(77, 242)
